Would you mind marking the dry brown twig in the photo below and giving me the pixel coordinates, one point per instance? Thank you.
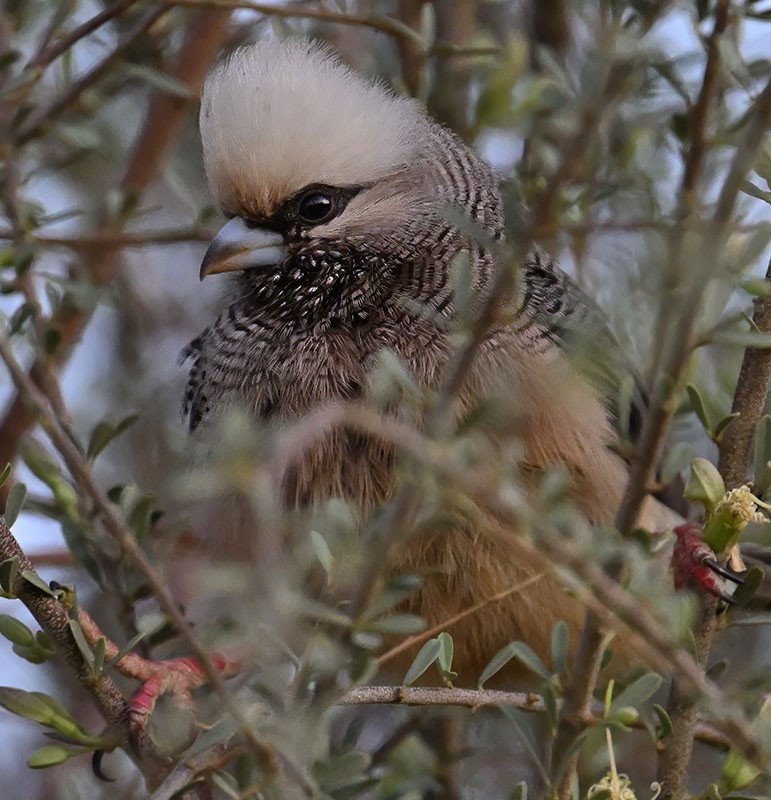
(172, 236)
(474, 699)
(377, 22)
(419, 638)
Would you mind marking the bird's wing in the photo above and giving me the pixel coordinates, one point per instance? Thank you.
(567, 317)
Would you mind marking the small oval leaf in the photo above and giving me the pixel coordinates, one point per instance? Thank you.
(105, 431)
(560, 642)
(16, 497)
(705, 485)
(37, 582)
(446, 651)
(665, 722)
(723, 424)
(49, 756)
(323, 553)
(16, 631)
(32, 654)
(100, 437)
(9, 570)
(637, 692)
(521, 652)
(698, 406)
(38, 707)
(426, 656)
(753, 580)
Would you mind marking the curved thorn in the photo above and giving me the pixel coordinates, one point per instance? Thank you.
(728, 574)
(96, 766)
(726, 598)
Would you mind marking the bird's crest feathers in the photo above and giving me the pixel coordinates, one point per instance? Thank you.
(279, 115)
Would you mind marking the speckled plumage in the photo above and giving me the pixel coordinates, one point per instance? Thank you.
(308, 330)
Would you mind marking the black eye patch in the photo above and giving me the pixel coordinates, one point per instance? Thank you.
(317, 203)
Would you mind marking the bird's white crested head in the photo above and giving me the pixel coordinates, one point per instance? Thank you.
(280, 115)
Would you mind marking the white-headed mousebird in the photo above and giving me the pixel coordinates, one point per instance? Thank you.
(343, 202)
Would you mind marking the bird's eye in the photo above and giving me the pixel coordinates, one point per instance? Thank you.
(316, 207)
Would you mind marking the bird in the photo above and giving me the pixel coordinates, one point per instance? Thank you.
(347, 206)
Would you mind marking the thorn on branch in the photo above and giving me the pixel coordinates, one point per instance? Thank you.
(96, 767)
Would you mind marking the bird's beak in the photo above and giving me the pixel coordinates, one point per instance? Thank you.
(238, 246)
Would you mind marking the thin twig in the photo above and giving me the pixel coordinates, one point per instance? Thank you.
(125, 239)
(675, 331)
(451, 84)
(106, 238)
(13, 202)
(447, 624)
(377, 22)
(440, 696)
(483, 698)
(189, 770)
(411, 55)
(42, 116)
(50, 51)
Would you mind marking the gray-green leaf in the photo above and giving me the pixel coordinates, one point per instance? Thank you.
(14, 503)
(50, 756)
(426, 656)
(637, 692)
(521, 652)
(15, 631)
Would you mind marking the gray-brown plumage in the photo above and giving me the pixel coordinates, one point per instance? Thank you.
(338, 193)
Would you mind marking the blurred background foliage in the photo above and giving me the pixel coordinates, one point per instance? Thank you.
(105, 215)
